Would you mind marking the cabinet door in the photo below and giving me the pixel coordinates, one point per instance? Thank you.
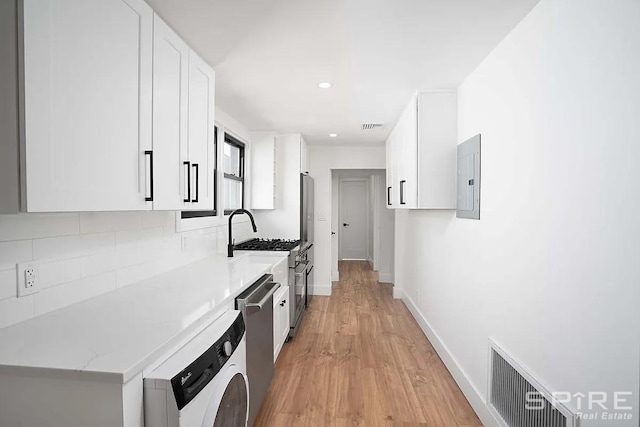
(408, 152)
(392, 166)
(284, 316)
(201, 129)
(170, 110)
(87, 104)
(280, 320)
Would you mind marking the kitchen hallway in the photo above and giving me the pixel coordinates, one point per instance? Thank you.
(361, 359)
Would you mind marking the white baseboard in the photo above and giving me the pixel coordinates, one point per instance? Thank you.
(398, 294)
(321, 290)
(468, 389)
(385, 278)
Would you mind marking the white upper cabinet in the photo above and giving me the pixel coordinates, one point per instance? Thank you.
(86, 122)
(170, 118)
(421, 154)
(201, 149)
(114, 110)
(183, 107)
(263, 170)
(392, 185)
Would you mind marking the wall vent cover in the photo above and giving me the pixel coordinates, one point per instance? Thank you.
(371, 126)
(509, 385)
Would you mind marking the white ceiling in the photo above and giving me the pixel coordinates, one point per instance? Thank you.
(269, 56)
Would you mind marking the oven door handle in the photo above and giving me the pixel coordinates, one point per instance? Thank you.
(260, 304)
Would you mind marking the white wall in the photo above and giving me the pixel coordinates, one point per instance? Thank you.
(324, 158)
(82, 255)
(552, 269)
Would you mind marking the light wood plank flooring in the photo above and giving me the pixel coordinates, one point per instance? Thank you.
(360, 359)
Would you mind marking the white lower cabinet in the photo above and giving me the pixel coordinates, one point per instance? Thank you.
(280, 319)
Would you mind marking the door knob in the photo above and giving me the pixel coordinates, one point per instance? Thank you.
(345, 224)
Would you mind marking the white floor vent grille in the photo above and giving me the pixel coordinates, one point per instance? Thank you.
(510, 385)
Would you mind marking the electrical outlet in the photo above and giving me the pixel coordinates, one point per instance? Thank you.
(27, 278)
(185, 243)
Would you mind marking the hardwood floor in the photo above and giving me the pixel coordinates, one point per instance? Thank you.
(360, 359)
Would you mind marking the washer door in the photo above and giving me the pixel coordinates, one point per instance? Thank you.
(229, 403)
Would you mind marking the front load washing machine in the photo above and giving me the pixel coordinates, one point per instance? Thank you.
(204, 384)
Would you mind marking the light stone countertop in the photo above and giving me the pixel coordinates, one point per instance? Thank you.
(113, 337)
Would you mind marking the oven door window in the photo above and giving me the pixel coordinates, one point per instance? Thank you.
(300, 285)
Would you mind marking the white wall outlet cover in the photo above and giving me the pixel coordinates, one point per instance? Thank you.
(28, 280)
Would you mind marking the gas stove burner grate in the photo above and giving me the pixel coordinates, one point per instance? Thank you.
(266, 245)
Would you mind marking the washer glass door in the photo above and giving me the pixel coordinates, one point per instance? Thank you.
(233, 407)
(229, 402)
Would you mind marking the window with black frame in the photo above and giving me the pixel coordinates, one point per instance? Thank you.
(214, 212)
(233, 168)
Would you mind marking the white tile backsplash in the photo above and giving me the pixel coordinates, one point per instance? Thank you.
(100, 222)
(87, 254)
(54, 273)
(73, 246)
(14, 252)
(159, 219)
(8, 283)
(139, 235)
(31, 226)
(93, 265)
(61, 296)
(14, 310)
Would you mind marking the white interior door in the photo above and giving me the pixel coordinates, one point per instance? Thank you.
(354, 219)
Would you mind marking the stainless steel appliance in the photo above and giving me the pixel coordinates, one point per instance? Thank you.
(300, 255)
(256, 305)
(306, 209)
(306, 241)
(298, 262)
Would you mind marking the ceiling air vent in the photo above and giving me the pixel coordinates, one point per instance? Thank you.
(371, 126)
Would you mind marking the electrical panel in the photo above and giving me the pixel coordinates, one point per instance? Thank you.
(468, 203)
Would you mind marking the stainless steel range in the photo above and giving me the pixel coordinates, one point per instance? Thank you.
(300, 254)
(300, 265)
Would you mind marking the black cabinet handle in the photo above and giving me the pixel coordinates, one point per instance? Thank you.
(150, 154)
(388, 196)
(283, 303)
(195, 166)
(188, 198)
(402, 202)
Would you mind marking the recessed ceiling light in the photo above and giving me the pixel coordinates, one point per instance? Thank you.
(324, 85)
(333, 135)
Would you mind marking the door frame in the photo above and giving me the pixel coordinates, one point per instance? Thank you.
(367, 183)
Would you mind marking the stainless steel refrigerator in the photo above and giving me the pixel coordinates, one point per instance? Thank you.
(306, 230)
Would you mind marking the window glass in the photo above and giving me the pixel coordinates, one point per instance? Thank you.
(233, 167)
(232, 159)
